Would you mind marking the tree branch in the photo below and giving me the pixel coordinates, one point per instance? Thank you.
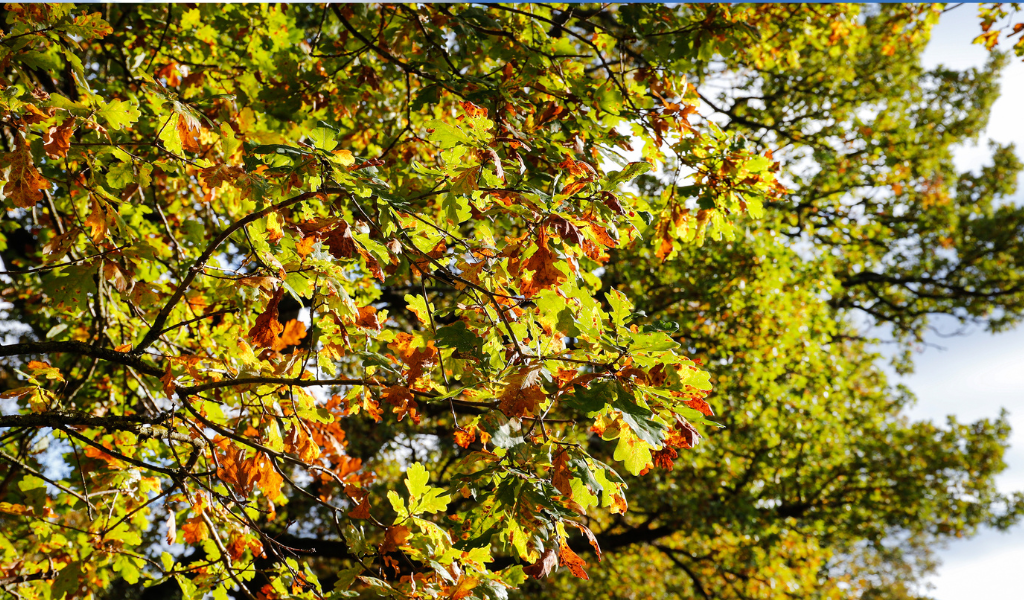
(82, 349)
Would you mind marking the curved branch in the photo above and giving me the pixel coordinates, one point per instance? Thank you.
(82, 349)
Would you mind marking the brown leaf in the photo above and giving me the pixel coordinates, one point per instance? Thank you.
(371, 264)
(96, 220)
(214, 176)
(172, 533)
(493, 156)
(116, 276)
(24, 182)
(264, 332)
(568, 558)
(57, 140)
(566, 230)
(522, 394)
(401, 398)
(543, 566)
(590, 537)
(561, 475)
(367, 318)
(612, 202)
(544, 273)
(188, 131)
(395, 536)
(339, 241)
(361, 511)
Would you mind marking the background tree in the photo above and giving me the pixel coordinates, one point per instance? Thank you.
(361, 301)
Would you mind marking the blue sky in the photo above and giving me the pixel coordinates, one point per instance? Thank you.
(974, 376)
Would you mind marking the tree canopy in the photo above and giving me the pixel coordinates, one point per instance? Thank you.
(488, 301)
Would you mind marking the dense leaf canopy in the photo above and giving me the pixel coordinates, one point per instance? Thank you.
(477, 301)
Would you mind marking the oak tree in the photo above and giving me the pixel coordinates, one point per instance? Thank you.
(439, 301)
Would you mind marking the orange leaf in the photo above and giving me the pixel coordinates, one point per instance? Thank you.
(97, 221)
(57, 140)
(568, 558)
(24, 182)
(188, 131)
(561, 476)
(417, 359)
(522, 394)
(264, 332)
(304, 247)
(544, 273)
(194, 530)
(300, 444)
(401, 398)
(465, 437)
(293, 333)
(699, 404)
(395, 536)
(368, 318)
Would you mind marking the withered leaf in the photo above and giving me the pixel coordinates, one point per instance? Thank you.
(542, 568)
(264, 333)
(568, 558)
(542, 272)
(57, 140)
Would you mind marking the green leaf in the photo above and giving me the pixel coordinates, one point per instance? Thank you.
(593, 400)
(324, 138)
(31, 482)
(458, 336)
(630, 172)
(634, 453)
(446, 135)
(416, 478)
(119, 114)
(67, 581)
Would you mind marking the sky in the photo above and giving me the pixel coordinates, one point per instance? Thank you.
(976, 375)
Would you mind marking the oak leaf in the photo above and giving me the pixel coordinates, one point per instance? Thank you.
(96, 220)
(367, 318)
(568, 558)
(465, 437)
(188, 132)
(416, 358)
(561, 475)
(264, 333)
(543, 566)
(24, 182)
(395, 536)
(522, 393)
(340, 242)
(543, 274)
(194, 530)
(401, 398)
(57, 140)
